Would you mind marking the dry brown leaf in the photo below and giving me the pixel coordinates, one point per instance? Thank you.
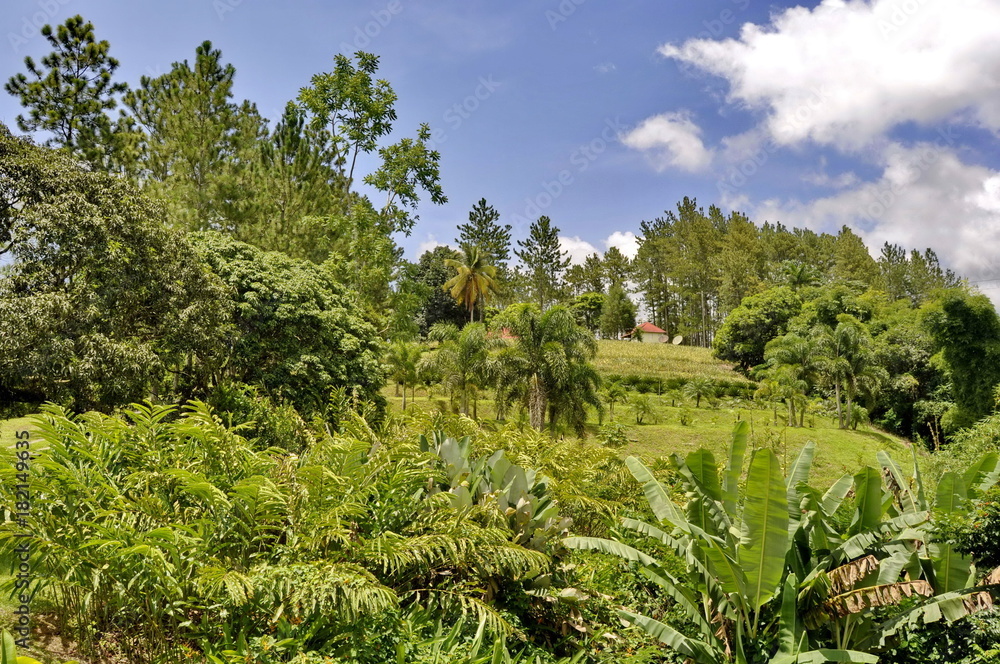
(844, 577)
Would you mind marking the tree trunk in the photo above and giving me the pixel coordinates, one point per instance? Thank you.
(802, 415)
(536, 404)
(840, 412)
(404, 395)
(850, 407)
(791, 411)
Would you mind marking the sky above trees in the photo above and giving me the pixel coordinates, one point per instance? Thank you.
(879, 114)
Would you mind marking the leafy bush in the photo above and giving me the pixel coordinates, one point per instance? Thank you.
(613, 435)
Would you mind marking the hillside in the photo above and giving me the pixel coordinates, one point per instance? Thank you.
(625, 358)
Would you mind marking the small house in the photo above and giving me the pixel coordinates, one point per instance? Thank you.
(648, 333)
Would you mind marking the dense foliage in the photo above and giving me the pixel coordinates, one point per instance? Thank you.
(206, 308)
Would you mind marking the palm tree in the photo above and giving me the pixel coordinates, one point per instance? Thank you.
(614, 393)
(798, 274)
(642, 408)
(474, 282)
(696, 388)
(848, 362)
(403, 360)
(461, 362)
(545, 365)
(794, 362)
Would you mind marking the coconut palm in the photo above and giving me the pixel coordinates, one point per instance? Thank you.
(475, 280)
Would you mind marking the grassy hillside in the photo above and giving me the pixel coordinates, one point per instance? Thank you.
(665, 361)
(678, 427)
(837, 451)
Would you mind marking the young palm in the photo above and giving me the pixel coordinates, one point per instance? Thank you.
(475, 281)
(546, 365)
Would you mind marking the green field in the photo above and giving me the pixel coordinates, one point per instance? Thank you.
(710, 426)
(660, 361)
(8, 429)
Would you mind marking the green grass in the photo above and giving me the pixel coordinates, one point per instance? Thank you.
(9, 428)
(660, 361)
(838, 451)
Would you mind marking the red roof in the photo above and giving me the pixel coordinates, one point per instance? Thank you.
(649, 328)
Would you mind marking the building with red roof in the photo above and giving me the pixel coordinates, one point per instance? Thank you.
(650, 334)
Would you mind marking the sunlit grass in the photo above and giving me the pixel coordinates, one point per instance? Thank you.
(9, 429)
(838, 451)
(660, 361)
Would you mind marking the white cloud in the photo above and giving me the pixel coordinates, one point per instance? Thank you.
(847, 71)
(578, 249)
(430, 244)
(821, 178)
(605, 68)
(925, 197)
(626, 242)
(671, 140)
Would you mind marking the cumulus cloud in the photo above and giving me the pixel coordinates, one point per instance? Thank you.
(671, 140)
(626, 242)
(430, 244)
(578, 248)
(847, 71)
(925, 197)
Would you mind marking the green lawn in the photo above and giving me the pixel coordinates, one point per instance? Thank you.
(837, 451)
(9, 428)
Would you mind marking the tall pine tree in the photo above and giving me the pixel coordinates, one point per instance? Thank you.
(194, 134)
(483, 231)
(69, 95)
(544, 261)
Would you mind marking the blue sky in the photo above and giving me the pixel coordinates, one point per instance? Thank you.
(880, 114)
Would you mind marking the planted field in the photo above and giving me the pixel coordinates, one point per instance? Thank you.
(625, 358)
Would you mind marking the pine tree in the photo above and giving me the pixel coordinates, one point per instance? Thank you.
(70, 94)
(292, 181)
(483, 231)
(595, 276)
(617, 267)
(617, 314)
(194, 133)
(544, 261)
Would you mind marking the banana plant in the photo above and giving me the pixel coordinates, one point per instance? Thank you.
(777, 550)
(735, 544)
